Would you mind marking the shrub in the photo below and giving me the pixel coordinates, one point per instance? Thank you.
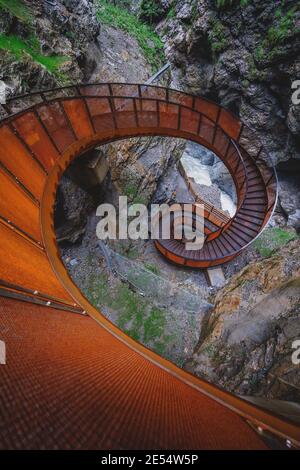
(217, 37)
(151, 11)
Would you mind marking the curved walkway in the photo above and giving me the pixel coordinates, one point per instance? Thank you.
(69, 383)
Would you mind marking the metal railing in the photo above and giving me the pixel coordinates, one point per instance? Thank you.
(125, 97)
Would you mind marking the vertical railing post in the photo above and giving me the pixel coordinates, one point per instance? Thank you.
(86, 108)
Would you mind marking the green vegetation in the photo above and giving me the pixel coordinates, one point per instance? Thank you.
(19, 47)
(272, 239)
(15, 45)
(17, 8)
(153, 268)
(151, 11)
(140, 199)
(285, 25)
(125, 248)
(194, 12)
(70, 35)
(137, 317)
(123, 3)
(131, 190)
(253, 73)
(217, 36)
(171, 13)
(210, 350)
(245, 84)
(277, 34)
(131, 253)
(260, 53)
(147, 39)
(154, 325)
(131, 310)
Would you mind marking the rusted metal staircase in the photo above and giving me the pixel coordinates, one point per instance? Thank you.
(40, 134)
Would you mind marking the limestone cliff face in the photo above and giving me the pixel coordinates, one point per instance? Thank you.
(246, 344)
(137, 165)
(244, 57)
(67, 29)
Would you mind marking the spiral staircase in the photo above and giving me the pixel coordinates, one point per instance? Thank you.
(72, 379)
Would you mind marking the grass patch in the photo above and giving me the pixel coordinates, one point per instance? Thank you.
(18, 9)
(128, 304)
(131, 253)
(131, 311)
(136, 315)
(217, 36)
(51, 63)
(154, 325)
(131, 190)
(153, 268)
(171, 13)
(284, 26)
(148, 40)
(19, 48)
(272, 239)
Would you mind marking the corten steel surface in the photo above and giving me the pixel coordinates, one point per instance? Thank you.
(89, 391)
(98, 378)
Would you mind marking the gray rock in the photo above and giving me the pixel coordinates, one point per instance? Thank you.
(217, 53)
(65, 28)
(73, 205)
(289, 198)
(245, 346)
(137, 165)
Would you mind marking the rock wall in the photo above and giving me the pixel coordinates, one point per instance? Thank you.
(245, 58)
(134, 168)
(137, 165)
(73, 207)
(246, 344)
(65, 28)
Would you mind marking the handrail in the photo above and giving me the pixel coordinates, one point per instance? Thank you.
(158, 74)
(44, 99)
(85, 85)
(255, 414)
(141, 88)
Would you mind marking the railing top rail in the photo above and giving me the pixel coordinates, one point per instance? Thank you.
(139, 85)
(168, 99)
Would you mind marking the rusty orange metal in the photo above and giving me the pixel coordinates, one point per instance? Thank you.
(133, 388)
(16, 159)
